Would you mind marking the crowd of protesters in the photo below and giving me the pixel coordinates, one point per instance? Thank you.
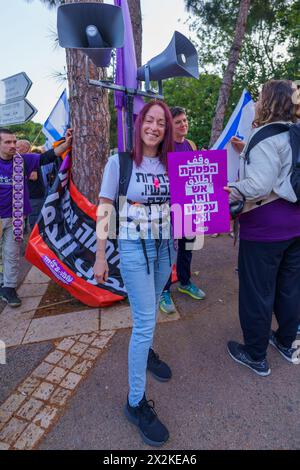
(269, 241)
(269, 253)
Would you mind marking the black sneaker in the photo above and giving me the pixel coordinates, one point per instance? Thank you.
(288, 353)
(9, 295)
(159, 369)
(153, 432)
(238, 354)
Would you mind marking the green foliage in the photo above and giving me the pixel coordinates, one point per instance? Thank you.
(30, 131)
(199, 99)
(271, 48)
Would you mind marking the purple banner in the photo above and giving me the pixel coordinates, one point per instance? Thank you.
(126, 72)
(199, 203)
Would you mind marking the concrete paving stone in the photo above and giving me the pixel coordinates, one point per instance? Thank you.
(102, 340)
(32, 290)
(20, 362)
(68, 361)
(56, 375)
(29, 437)
(78, 348)
(13, 331)
(44, 391)
(5, 416)
(30, 409)
(76, 337)
(88, 339)
(82, 367)
(65, 344)
(57, 326)
(13, 402)
(60, 396)
(43, 370)
(35, 276)
(27, 308)
(71, 381)
(29, 385)
(46, 416)
(115, 318)
(12, 430)
(54, 357)
(4, 446)
(91, 353)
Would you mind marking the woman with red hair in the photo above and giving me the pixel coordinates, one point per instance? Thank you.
(146, 254)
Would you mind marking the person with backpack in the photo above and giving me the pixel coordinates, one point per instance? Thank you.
(269, 252)
(15, 169)
(184, 256)
(146, 249)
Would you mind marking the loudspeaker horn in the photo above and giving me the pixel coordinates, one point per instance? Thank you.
(93, 28)
(179, 59)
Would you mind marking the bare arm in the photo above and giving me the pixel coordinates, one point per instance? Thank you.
(104, 212)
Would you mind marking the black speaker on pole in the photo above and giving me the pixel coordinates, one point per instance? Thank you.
(179, 59)
(94, 28)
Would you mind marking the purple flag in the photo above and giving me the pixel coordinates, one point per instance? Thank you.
(126, 72)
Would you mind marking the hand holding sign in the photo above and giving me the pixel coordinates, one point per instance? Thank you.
(197, 181)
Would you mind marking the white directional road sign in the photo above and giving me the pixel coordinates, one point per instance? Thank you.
(16, 112)
(14, 88)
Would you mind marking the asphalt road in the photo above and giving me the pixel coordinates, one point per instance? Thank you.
(211, 402)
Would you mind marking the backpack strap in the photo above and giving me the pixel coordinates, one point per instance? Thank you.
(295, 144)
(265, 133)
(126, 165)
(192, 144)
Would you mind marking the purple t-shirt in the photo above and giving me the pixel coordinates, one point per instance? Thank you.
(274, 222)
(31, 163)
(182, 146)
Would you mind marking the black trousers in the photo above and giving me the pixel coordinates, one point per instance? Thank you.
(183, 265)
(269, 275)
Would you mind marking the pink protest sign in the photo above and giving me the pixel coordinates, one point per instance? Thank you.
(199, 203)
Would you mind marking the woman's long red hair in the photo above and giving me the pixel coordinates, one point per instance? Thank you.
(167, 144)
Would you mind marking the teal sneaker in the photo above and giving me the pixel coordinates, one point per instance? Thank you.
(192, 290)
(166, 303)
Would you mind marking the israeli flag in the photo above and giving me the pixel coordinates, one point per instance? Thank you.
(54, 129)
(58, 121)
(239, 125)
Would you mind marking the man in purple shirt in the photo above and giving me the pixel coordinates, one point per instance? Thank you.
(184, 257)
(13, 187)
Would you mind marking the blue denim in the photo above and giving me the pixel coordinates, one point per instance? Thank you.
(144, 291)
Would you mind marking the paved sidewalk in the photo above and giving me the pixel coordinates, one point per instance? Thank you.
(72, 392)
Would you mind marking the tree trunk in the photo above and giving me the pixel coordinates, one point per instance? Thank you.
(218, 121)
(136, 20)
(90, 120)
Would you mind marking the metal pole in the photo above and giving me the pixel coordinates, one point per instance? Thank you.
(129, 102)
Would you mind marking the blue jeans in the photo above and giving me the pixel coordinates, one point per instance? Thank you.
(143, 291)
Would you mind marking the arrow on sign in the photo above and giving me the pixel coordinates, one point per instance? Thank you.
(16, 112)
(14, 88)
